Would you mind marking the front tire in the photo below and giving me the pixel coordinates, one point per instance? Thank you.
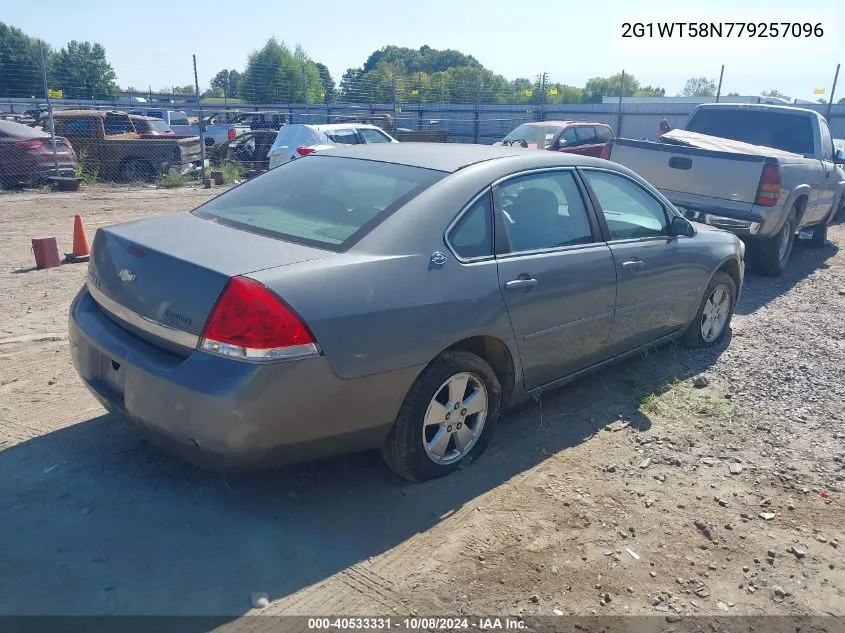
(773, 253)
(447, 418)
(136, 170)
(713, 318)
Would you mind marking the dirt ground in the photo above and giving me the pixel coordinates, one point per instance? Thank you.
(678, 483)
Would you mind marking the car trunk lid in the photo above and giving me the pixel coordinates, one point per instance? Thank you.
(161, 277)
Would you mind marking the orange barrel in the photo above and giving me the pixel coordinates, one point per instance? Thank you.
(46, 252)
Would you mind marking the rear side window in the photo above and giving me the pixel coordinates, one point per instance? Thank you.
(293, 136)
(472, 236)
(343, 137)
(603, 134)
(323, 201)
(781, 130)
(586, 134)
(79, 127)
(373, 136)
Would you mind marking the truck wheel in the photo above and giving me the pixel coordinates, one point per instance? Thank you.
(819, 236)
(447, 418)
(136, 170)
(773, 253)
(713, 318)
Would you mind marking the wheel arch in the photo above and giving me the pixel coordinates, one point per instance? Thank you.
(496, 353)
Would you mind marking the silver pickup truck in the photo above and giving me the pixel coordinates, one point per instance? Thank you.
(762, 172)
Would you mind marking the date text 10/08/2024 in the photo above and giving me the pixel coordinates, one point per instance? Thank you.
(415, 624)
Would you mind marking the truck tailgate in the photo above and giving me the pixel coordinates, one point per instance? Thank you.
(708, 173)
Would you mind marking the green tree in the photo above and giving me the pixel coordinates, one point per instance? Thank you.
(226, 83)
(425, 59)
(82, 71)
(350, 85)
(599, 87)
(561, 93)
(326, 80)
(699, 87)
(842, 100)
(775, 94)
(651, 91)
(187, 89)
(274, 74)
(20, 68)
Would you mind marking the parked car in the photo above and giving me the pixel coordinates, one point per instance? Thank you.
(26, 155)
(763, 172)
(248, 149)
(574, 137)
(111, 146)
(268, 120)
(150, 126)
(181, 125)
(357, 299)
(298, 140)
(387, 123)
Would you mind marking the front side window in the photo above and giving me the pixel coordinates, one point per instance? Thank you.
(827, 140)
(544, 210)
(472, 236)
(539, 135)
(325, 201)
(603, 134)
(630, 211)
(569, 138)
(586, 134)
(343, 137)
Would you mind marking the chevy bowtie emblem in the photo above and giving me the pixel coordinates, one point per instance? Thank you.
(438, 258)
(126, 276)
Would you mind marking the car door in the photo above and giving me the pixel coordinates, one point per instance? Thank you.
(660, 278)
(830, 175)
(586, 135)
(556, 274)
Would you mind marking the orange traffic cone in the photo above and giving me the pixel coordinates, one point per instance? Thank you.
(81, 248)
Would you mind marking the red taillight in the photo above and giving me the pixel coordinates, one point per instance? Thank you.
(769, 190)
(605, 151)
(304, 151)
(251, 323)
(31, 144)
(232, 134)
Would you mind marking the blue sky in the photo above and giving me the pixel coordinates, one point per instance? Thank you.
(151, 43)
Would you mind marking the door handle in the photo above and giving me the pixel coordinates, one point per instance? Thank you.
(633, 264)
(520, 284)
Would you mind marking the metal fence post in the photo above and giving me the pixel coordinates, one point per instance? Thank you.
(477, 103)
(49, 108)
(619, 113)
(719, 89)
(832, 92)
(199, 113)
(305, 92)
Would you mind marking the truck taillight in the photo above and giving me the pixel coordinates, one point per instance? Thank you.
(232, 134)
(605, 151)
(250, 322)
(768, 191)
(32, 143)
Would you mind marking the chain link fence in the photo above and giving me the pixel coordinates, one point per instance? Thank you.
(71, 125)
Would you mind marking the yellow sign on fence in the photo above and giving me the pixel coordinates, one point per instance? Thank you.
(818, 91)
(55, 94)
(527, 92)
(553, 91)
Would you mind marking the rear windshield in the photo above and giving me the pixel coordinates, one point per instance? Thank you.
(322, 201)
(156, 126)
(535, 134)
(780, 130)
(178, 117)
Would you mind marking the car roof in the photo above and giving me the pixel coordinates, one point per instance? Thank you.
(19, 130)
(451, 157)
(323, 127)
(139, 117)
(547, 123)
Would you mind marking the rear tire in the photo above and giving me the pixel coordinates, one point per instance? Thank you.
(713, 318)
(136, 170)
(772, 254)
(437, 431)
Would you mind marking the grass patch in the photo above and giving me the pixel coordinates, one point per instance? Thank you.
(231, 172)
(677, 399)
(172, 180)
(83, 169)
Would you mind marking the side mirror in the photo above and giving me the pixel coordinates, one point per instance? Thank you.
(681, 227)
(839, 156)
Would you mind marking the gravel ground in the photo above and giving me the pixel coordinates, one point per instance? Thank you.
(680, 483)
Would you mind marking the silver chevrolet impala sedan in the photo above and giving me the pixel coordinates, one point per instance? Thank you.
(388, 296)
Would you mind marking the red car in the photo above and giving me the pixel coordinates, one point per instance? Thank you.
(26, 155)
(574, 137)
(150, 126)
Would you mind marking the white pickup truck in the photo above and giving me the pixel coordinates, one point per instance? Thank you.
(177, 121)
(763, 172)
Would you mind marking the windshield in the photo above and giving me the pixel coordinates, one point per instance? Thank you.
(533, 133)
(323, 201)
(178, 117)
(785, 131)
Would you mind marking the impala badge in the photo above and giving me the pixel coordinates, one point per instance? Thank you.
(126, 276)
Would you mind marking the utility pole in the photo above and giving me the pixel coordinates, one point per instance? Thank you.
(832, 92)
(719, 89)
(199, 113)
(305, 90)
(49, 107)
(619, 114)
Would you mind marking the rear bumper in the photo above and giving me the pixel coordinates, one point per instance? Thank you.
(225, 414)
(746, 228)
